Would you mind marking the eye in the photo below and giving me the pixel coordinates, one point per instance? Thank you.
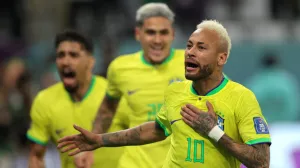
(201, 47)
(188, 46)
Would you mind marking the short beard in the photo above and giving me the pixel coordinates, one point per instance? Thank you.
(205, 72)
(72, 90)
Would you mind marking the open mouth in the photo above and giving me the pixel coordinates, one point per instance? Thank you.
(156, 50)
(68, 77)
(191, 66)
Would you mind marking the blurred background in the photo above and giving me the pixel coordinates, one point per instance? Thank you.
(264, 57)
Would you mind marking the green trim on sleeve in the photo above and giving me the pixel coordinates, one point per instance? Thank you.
(111, 97)
(35, 140)
(163, 127)
(260, 140)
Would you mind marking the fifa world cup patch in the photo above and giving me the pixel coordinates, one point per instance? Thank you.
(260, 125)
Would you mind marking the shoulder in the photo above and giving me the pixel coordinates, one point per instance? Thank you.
(51, 91)
(238, 90)
(178, 86)
(100, 80)
(126, 58)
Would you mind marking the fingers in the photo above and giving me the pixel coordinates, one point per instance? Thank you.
(188, 122)
(79, 160)
(210, 109)
(67, 138)
(187, 114)
(83, 131)
(68, 148)
(74, 152)
(63, 144)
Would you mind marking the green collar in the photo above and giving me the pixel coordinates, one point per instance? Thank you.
(168, 59)
(214, 90)
(93, 81)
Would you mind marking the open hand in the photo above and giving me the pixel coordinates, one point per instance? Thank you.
(202, 122)
(85, 141)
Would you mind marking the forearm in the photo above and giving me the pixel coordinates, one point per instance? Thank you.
(256, 156)
(36, 162)
(140, 135)
(104, 116)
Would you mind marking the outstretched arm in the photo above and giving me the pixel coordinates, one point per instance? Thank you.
(146, 133)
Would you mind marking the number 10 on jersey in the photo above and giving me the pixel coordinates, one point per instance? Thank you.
(198, 152)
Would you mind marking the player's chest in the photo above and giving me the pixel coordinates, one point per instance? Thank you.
(64, 117)
(224, 114)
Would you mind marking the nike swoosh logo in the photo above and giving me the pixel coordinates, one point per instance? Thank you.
(130, 92)
(172, 122)
(59, 131)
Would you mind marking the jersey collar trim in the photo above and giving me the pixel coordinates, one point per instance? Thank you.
(93, 81)
(214, 90)
(168, 59)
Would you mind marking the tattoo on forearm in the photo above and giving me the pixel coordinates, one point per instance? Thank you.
(139, 135)
(102, 122)
(256, 156)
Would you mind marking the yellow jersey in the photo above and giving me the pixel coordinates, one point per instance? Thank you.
(53, 114)
(142, 85)
(238, 113)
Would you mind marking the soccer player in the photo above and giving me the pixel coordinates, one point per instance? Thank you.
(74, 100)
(142, 77)
(212, 121)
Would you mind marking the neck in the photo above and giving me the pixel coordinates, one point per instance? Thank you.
(81, 91)
(203, 86)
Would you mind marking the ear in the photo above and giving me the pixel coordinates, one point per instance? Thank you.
(137, 32)
(92, 62)
(222, 58)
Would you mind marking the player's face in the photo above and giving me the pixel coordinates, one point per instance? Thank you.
(202, 54)
(74, 64)
(156, 36)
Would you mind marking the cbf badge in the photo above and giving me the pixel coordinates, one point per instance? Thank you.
(260, 125)
(221, 122)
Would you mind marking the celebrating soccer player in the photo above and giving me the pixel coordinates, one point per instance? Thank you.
(212, 121)
(74, 100)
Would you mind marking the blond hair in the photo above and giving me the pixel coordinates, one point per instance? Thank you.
(220, 30)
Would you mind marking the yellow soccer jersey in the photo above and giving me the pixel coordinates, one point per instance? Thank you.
(53, 114)
(238, 113)
(142, 85)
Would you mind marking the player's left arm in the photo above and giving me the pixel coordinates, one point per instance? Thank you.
(257, 155)
(205, 123)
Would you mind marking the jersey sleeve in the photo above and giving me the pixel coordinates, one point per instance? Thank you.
(113, 90)
(162, 115)
(253, 127)
(38, 131)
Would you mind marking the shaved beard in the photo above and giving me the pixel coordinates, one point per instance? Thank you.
(204, 73)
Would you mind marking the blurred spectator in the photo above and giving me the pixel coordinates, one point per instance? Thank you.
(277, 91)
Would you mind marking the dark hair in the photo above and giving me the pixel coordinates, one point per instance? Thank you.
(72, 35)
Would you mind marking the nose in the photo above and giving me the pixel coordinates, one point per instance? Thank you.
(158, 38)
(190, 52)
(66, 60)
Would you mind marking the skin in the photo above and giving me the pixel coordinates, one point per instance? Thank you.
(205, 50)
(70, 56)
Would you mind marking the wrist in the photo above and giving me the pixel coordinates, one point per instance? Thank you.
(216, 133)
(99, 141)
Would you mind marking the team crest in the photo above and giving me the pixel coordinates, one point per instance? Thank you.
(260, 125)
(221, 122)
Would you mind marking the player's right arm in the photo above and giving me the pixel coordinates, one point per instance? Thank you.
(38, 133)
(146, 133)
(110, 102)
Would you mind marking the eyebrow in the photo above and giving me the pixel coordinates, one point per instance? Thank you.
(199, 42)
